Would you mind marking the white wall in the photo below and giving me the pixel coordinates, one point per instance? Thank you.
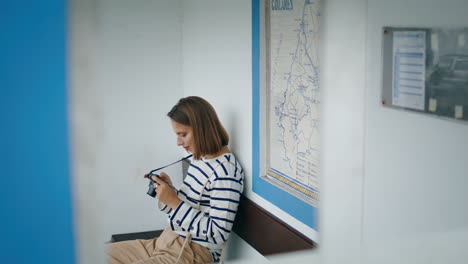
(416, 165)
(125, 75)
(393, 182)
(217, 64)
(343, 85)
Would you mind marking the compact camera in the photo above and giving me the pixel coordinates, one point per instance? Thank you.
(151, 189)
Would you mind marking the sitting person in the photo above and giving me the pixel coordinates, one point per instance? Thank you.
(201, 214)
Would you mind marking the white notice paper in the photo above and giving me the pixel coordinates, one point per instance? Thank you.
(409, 69)
(459, 111)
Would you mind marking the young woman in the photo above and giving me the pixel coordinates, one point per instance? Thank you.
(201, 213)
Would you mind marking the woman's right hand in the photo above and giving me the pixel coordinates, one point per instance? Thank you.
(165, 192)
(166, 178)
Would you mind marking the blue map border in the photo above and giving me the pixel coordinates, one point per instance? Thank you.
(292, 205)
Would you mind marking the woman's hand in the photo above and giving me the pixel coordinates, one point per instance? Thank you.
(165, 192)
(166, 178)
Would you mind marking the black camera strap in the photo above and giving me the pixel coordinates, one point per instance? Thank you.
(151, 191)
(155, 170)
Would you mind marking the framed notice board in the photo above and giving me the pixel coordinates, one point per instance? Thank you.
(426, 70)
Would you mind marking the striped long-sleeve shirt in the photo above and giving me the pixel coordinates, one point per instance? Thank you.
(211, 224)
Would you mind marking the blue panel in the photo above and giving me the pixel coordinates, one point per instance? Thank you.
(36, 209)
(287, 202)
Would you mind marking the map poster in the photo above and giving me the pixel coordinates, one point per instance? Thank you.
(292, 95)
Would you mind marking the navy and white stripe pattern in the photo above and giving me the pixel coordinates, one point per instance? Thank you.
(210, 225)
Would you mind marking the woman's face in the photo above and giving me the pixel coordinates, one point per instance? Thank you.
(184, 136)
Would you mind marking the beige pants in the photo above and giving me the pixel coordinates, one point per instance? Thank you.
(164, 249)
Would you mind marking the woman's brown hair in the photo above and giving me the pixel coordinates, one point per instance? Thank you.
(209, 136)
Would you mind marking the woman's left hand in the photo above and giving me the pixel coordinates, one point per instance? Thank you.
(165, 193)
